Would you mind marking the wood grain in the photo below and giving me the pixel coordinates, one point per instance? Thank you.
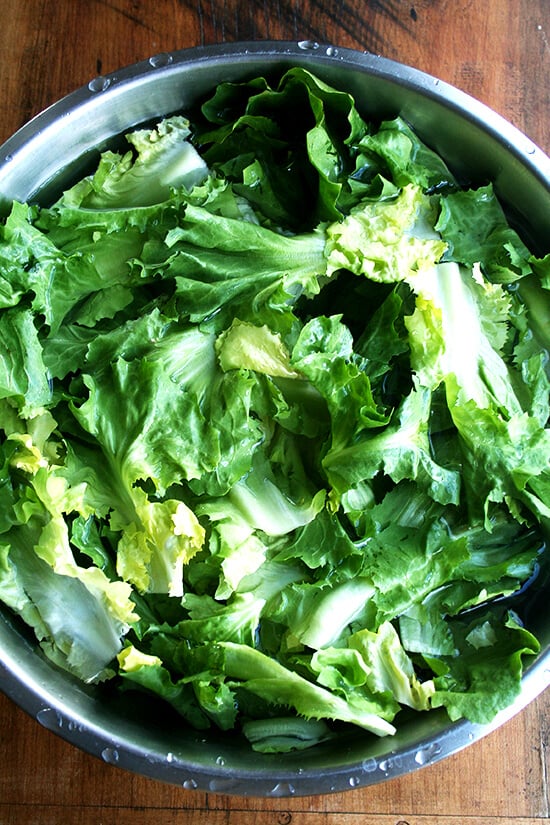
(498, 51)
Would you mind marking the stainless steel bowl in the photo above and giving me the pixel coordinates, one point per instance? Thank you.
(58, 145)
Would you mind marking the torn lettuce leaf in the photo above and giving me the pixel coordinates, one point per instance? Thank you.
(274, 406)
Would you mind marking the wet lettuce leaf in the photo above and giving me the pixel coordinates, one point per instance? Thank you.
(274, 406)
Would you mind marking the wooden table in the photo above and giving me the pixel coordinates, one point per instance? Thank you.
(497, 50)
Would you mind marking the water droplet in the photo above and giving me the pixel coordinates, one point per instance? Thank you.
(332, 51)
(110, 755)
(308, 45)
(190, 785)
(282, 789)
(75, 726)
(369, 765)
(8, 159)
(157, 61)
(99, 84)
(385, 765)
(425, 755)
(220, 760)
(354, 781)
(49, 718)
(170, 757)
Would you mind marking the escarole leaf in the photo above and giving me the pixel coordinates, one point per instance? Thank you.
(271, 681)
(246, 346)
(489, 664)
(164, 158)
(75, 628)
(401, 450)
(324, 354)
(505, 447)
(156, 544)
(173, 415)
(283, 144)
(217, 261)
(274, 408)
(476, 230)
(387, 241)
(406, 158)
(23, 374)
(147, 672)
(285, 734)
(80, 615)
(390, 669)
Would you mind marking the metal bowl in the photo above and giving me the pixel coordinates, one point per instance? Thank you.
(59, 145)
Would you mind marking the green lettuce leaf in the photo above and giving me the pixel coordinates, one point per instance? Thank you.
(164, 159)
(486, 676)
(274, 406)
(474, 225)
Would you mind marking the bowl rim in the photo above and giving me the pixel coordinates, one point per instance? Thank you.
(531, 155)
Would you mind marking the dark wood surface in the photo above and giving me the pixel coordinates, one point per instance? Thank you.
(498, 51)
